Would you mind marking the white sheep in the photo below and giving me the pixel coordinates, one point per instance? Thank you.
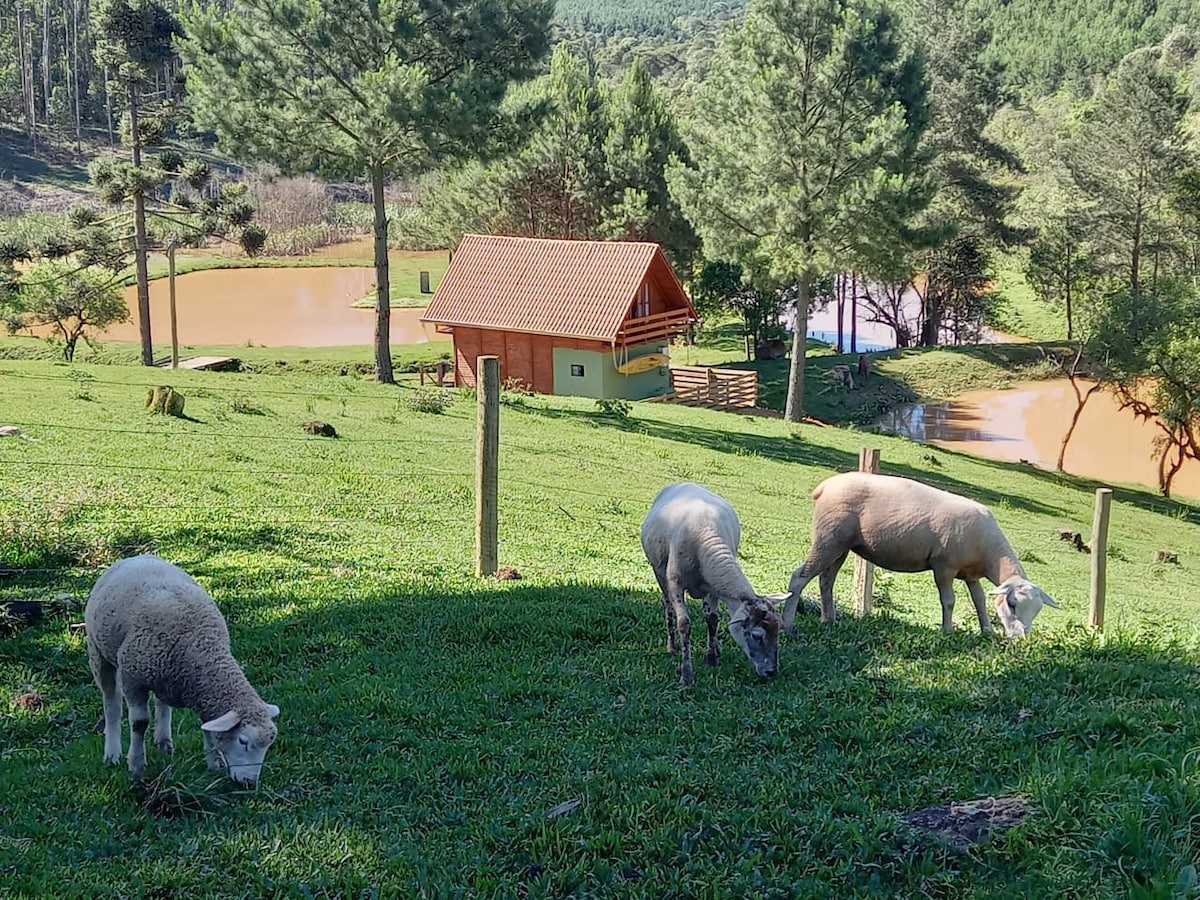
(903, 525)
(151, 628)
(691, 537)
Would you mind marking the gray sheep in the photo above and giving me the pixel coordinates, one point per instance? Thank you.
(151, 628)
(691, 537)
(905, 526)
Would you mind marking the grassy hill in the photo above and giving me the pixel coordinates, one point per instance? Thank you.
(431, 720)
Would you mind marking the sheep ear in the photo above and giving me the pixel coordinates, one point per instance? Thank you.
(226, 722)
(1050, 601)
(777, 599)
(272, 710)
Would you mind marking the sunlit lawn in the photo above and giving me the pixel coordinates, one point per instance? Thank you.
(431, 720)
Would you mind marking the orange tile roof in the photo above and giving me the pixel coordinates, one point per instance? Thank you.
(581, 289)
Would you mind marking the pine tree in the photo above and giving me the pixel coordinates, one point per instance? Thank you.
(361, 87)
(1127, 155)
(641, 142)
(135, 44)
(971, 201)
(805, 141)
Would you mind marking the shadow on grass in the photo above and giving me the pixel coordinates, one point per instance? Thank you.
(868, 718)
(790, 449)
(462, 716)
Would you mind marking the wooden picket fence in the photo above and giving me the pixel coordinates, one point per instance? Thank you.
(720, 388)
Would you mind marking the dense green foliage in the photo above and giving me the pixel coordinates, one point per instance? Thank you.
(593, 167)
(641, 17)
(375, 89)
(74, 303)
(806, 143)
(1048, 44)
(431, 720)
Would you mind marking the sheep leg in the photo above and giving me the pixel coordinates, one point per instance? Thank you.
(945, 586)
(981, 609)
(713, 655)
(821, 556)
(162, 727)
(106, 678)
(800, 580)
(828, 576)
(137, 701)
(668, 613)
(683, 623)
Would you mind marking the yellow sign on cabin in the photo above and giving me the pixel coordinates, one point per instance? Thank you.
(641, 364)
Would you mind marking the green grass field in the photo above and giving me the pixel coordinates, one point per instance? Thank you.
(1022, 312)
(431, 720)
(896, 376)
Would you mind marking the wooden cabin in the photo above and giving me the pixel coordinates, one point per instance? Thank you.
(586, 318)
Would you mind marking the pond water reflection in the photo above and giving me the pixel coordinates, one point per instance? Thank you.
(1028, 423)
(297, 307)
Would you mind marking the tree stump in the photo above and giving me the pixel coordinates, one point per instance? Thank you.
(165, 401)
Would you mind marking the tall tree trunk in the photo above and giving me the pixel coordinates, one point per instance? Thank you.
(841, 311)
(112, 140)
(794, 411)
(1067, 292)
(383, 288)
(853, 312)
(139, 236)
(931, 319)
(28, 94)
(78, 94)
(1135, 262)
(46, 67)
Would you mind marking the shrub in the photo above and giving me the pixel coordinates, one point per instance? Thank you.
(430, 400)
(615, 408)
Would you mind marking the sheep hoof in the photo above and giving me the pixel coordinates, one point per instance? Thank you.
(672, 650)
(113, 759)
(686, 678)
(712, 659)
(166, 746)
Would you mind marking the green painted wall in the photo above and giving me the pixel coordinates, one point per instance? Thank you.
(600, 378)
(591, 383)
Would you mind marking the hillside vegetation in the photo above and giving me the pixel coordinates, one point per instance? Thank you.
(1042, 44)
(431, 720)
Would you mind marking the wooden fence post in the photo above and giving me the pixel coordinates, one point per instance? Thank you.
(1099, 545)
(486, 464)
(864, 572)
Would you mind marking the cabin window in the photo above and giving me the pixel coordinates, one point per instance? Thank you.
(641, 305)
(577, 370)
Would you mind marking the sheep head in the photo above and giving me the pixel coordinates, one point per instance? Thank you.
(755, 627)
(239, 742)
(1017, 604)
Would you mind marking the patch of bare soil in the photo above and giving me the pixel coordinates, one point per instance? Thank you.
(963, 825)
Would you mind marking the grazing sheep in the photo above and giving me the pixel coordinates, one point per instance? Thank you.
(906, 526)
(151, 628)
(691, 537)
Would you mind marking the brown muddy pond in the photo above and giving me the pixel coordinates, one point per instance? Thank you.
(1028, 423)
(300, 307)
